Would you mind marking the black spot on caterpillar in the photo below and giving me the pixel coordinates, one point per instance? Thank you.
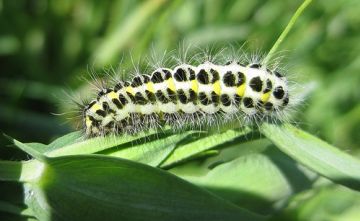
(187, 94)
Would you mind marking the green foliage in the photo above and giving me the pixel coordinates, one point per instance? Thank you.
(279, 172)
(120, 189)
(315, 154)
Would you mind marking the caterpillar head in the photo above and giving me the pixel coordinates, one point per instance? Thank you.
(279, 93)
(267, 89)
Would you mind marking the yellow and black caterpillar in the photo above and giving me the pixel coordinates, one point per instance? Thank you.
(187, 94)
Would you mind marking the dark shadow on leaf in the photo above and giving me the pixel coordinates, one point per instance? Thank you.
(296, 178)
(12, 192)
(247, 200)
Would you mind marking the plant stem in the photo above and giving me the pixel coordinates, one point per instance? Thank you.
(10, 170)
(286, 30)
(20, 171)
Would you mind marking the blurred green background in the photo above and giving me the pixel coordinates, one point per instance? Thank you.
(46, 47)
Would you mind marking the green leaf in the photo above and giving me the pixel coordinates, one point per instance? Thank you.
(10, 170)
(121, 190)
(333, 202)
(97, 144)
(11, 217)
(14, 209)
(259, 181)
(191, 149)
(316, 154)
(60, 142)
(30, 149)
(65, 140)
(42, 148)
(10, 208)
(152, 152)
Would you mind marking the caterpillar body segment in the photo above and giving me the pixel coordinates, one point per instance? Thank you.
(186, 94)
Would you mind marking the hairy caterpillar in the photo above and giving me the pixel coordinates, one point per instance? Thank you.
(187, 95)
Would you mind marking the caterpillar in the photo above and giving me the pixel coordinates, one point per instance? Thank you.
(187, 95)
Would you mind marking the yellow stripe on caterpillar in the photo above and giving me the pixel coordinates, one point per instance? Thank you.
(265, 97)
(217, 88)
(130, 90)
(194, 86)
(95, 107)
(241, 90)
(88, 121)
(112, 95)
(171, 85)
(150, 87)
